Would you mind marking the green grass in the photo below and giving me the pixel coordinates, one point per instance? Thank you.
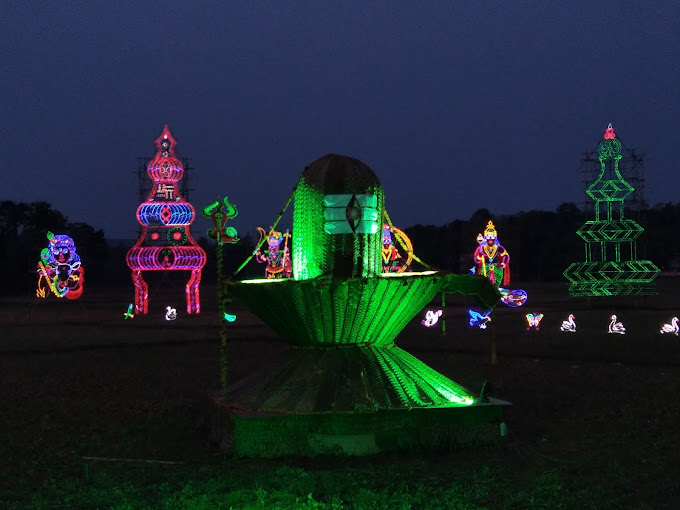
(243, 485)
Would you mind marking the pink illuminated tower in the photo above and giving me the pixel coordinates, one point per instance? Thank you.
(165, 243)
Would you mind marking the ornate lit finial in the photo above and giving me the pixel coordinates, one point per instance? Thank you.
(166, 144)
(609, 133)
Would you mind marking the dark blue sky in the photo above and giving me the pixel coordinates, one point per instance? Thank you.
(455, 105)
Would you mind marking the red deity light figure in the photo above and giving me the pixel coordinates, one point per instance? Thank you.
(165, 243)
(278, 260)
(60, 268)
(392, 260)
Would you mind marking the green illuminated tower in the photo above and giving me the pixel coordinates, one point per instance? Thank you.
(344, 387)
(611, 267)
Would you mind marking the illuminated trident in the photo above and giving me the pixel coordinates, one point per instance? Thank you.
(222, 235)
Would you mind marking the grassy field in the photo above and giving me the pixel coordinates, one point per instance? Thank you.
(100, 412)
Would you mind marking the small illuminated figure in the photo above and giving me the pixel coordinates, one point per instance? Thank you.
(229, 317)
(479, 319)
(569, 325)
(671, 328)
(60, 268)
(616, 327)
(492, 260)
(534, 321)
(392, 260)
(170, 313)
(130, 312)
(278, 260)
(431, 318)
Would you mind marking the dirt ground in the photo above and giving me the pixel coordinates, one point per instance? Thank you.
(77, 379)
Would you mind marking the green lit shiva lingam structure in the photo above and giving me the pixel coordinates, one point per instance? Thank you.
(345, 387)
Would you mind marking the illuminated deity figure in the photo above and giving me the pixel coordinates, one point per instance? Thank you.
(392, 261)
(60, 268)
(278, 259)
(492, 260)
(165, 243)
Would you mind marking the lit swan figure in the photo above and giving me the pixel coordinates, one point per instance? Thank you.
(671, 328)
(569, 325)
(170, 313)
(616, 327)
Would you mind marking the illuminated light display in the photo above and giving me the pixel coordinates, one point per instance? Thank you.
(478, 319)
(616, 327)
(534, 321)
(611, 266)
(569, 325)
(279, 264)
(165, 243)
(341, 314)
(492, 260)
(129, 314)
(219, 213)
(392, 260)
(431, 318)
(170, 313)
(60, 270)
(671, 328)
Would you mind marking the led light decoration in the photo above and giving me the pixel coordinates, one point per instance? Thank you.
(341, 314)
(129, 314)
(392, 260)
(278, 260)
(170, 313)
(671, 328)
(569, 325)
(616, 327)
(611, 266)
(223, 235)
(534, 321)
(60, 271)
(431, 318)
(492, 260)
(478, 319)
(165, 243)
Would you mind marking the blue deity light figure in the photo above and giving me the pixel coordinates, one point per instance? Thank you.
(60, 269)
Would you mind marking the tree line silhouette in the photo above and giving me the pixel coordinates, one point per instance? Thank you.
(541, 244)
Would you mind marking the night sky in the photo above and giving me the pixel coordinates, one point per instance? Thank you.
(455, 105)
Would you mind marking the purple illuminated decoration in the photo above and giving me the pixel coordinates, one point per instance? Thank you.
(278, 259)
(165, 243)
(60, 269)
